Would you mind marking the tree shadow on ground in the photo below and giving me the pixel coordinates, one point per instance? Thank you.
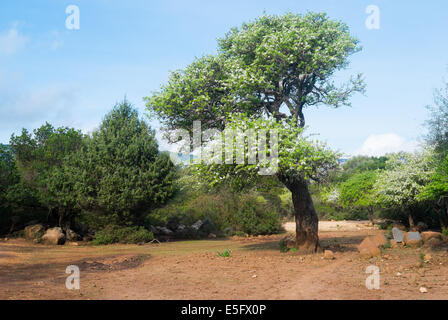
(336, 244)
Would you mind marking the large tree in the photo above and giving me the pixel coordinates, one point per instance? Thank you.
(406, 176)
(275, 66)
(119, 174)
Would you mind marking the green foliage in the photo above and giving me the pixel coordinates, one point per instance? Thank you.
(356, 165)
(298, 156)
(249, 213)
(225, 253)
(267, 62)
(116, 234)
(358, 191)
(404, 179)
(38, 158)
(119, 174)
(438, 184)
(283, 246)
(445, 232)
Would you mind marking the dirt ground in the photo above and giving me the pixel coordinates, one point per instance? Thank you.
(256, 269)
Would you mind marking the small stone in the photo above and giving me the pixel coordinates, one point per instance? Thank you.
(399, 274)
(254, 276)
(328, 255)
(423, 290)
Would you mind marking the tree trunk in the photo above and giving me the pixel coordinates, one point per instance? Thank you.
(411, 222)
(307, 238)
(371, 212)
(441, 220)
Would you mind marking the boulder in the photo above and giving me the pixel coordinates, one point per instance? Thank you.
(34, 232)
(173, 223)
(369, 247)
(328, 255)
(54, 236)
(207, 227)
(393, 243)
(164, 231)
(380, 240)
(197, 225)
(212, 236)
(414, 243)
(412, 239)
(368, 253)
(71, 235)
(431, 235)
(153, 230)
(398, 234)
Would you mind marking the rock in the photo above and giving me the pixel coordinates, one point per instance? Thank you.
(153, 230)
(328, 255)
(72, 235)
(173, 223)
(369, 247)
(411, 236)
(432, 243)
(87, 238)
(369, 253)
(207, 227)
(34, 232)
(180, 228)
(398, 234)
(197, 225)
(393, 243)
(423, 290)
(431, 235)
(380, 240)
(164, 231)
(414, 243)
(54, 236)
(212, 236)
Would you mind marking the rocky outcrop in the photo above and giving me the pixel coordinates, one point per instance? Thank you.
(34, 232)
(54, 236)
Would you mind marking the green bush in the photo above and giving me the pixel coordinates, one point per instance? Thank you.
(250, 213)
(116, 234)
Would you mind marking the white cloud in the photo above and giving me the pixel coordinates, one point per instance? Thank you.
(12, 41)
(381, 144)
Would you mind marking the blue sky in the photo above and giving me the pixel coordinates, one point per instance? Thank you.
(73, 77)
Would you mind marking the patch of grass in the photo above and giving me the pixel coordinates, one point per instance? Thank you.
(116, 234)
(422, 259)
(225, 253)
(282, 245)
(386, 245)
(445, 232)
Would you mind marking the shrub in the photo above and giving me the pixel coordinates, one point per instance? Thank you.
(225, 253)
(230, 213)
(116, 234)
